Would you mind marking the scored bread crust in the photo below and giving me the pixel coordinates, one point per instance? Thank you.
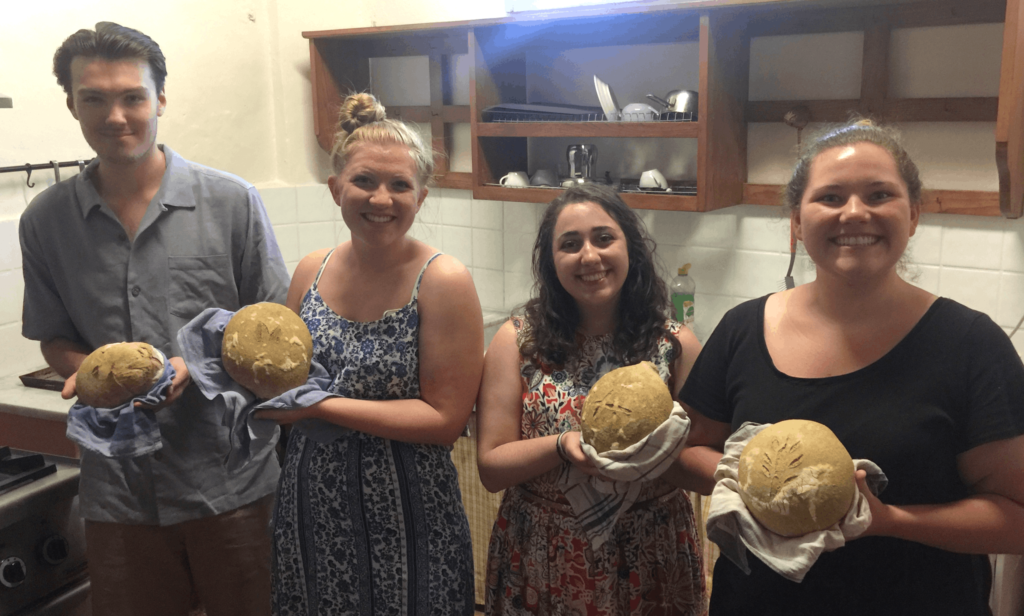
(796, 477)
(267, 349)
(624, 406)
(115, 373)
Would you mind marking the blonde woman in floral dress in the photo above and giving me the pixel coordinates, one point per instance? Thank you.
(600, 305)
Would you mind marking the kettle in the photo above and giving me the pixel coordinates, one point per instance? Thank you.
(582, 159)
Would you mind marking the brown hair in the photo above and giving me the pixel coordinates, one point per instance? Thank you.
(857, 131)
(644, 304)
(362, 119)
(109, 41)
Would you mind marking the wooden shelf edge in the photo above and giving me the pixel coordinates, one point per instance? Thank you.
(970, 202)
(522, 195)
(681, 203)
(455, 179)
(684, 130)
(941, 13)
(966, 109)
(450, 114)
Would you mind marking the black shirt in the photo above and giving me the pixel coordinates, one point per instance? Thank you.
(953, 383)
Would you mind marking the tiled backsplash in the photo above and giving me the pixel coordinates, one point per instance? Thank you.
(737, 254)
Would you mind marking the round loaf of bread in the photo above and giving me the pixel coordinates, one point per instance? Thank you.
(267, 349)
(624, 406)
(115, 373)
(795, 477)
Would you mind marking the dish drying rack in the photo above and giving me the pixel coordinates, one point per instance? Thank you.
(567, 113)
(675, 187)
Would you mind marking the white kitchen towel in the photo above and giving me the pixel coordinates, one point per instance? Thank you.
(599, 501)
(124, 431)
(731, 525)
(200, 341)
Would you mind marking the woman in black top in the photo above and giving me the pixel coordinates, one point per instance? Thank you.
(931, 391)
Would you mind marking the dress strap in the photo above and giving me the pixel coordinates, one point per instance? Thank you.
(322, 266)
(419, 279)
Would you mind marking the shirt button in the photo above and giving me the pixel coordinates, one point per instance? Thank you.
(135, 291)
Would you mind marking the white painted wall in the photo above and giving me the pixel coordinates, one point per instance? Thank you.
(239, 99)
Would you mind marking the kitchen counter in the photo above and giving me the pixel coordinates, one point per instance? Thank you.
(30, 402)
(34, 419)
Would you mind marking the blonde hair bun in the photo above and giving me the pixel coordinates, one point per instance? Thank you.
(359, 109)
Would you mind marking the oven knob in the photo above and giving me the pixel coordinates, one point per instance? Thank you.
(12, 572)
(55, 549)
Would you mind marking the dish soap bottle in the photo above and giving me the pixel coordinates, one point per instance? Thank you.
(683, 288)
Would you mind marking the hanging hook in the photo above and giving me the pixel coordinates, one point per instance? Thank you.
(28, 180)
(81, 166)
(56, 171)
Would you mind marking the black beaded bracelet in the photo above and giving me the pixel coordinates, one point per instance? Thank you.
(560, 449)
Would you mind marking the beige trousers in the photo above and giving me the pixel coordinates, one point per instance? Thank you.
(222, 561)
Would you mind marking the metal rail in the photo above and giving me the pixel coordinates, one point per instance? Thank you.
(53, 165)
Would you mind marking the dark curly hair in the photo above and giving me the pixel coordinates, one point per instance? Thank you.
(644, 305)
(109, 41)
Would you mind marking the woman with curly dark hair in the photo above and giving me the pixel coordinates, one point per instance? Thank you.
(599, 304)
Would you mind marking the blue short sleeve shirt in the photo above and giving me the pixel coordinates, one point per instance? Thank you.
(204, 241)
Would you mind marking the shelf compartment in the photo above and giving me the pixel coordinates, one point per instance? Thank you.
(622, 29)
(685, 130)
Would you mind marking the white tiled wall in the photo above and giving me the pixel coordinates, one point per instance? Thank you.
(738, 253)
(17, 355)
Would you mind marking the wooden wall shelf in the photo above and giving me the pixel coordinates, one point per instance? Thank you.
(974, 202)
(723, 29)
(682, 203)
(891, 110)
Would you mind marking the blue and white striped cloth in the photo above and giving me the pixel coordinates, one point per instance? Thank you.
(124, 431)
(599, 501)
(200, 341)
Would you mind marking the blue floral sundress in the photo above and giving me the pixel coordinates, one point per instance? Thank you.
(367, 525)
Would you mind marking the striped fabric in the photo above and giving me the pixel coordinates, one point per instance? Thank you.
(598, 502)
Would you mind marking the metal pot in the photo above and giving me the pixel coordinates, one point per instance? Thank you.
(678, 101)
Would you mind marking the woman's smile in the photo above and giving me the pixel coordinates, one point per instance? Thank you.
(378, 218)
(856, 240)
(594, 277)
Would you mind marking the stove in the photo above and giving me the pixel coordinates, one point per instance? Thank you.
(42, 537)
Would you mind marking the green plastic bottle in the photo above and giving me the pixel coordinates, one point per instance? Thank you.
(683, 289)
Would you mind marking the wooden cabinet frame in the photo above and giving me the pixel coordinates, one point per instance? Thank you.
(339, 62)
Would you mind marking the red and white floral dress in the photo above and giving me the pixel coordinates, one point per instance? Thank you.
(540, 561)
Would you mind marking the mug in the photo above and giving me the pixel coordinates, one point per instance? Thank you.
(652, 178)
(544, 177)
(515, 178)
